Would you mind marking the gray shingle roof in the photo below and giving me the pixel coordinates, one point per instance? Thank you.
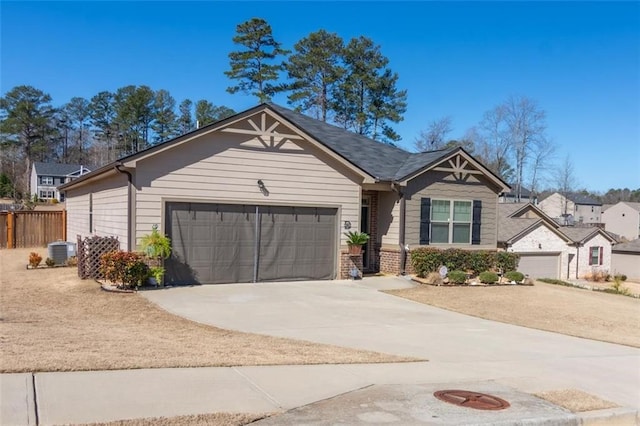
(635, 206)
(55, 169)
(509, 227)
(577, 233)
(383, 161)
(583, 199)
(523, 191)
(631, 246)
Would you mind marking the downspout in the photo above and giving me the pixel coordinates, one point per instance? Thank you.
(403, 211)
(130, 217)
(577, 259)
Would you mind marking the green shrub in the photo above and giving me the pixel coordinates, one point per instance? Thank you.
(488, 277)
(456, 259)
(123, 268)
(457, 277)
(621, 277)
(425, 260)
(514, 276)
(481, 260)
(507, 261)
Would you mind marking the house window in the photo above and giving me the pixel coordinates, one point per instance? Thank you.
(451, 222)
(595, 256)
(47, 180)
(44, 195)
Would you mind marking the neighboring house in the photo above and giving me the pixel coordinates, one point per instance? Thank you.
(526, 196)
(623, 219)
(572, 209)
(625, 259)
(268, 193)
(46, 177)
(592, 250)
(548, 250)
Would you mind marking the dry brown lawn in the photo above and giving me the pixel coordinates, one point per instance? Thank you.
(575, 312)
(50, 320)
(576, 400)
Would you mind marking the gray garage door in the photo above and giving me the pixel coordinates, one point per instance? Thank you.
(224, 243)
(540, 265)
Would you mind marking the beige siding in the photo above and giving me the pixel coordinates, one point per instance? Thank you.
(109, 209)
(554, 206)
(627, 264)
(224, 167)
(77, 205)
(441, 185)
(623, 220)
(389, 218)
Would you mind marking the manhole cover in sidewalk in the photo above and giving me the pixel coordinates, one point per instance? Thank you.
(469, 399)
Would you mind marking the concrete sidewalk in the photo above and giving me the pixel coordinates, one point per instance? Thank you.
(102, 396)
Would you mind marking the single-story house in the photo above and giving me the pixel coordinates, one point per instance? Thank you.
(625, 259)
(623, 219)
(47, 177)
(268, 193)
(548, 250)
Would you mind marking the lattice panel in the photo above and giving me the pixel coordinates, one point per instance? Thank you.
(89, 251)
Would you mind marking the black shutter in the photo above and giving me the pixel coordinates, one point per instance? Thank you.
(475, 227)
(425, 220)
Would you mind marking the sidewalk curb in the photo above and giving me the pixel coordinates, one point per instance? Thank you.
(611, 416)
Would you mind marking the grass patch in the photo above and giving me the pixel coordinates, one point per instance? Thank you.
(575, 400)
(214, 419)
(560, 309)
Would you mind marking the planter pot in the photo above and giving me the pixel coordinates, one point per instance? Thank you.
(355, 250)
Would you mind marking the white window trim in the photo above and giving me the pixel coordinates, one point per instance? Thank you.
(47, 180)
(450, 222)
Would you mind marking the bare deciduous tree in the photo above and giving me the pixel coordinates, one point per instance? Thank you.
(566, 183)
(435, 135)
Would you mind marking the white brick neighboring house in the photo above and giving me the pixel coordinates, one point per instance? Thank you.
(548, 250)
(592, 250)
(625, 259)
(623, 219)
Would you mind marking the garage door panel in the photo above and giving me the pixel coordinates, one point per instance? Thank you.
(540, 266)
(215, 243)
(291, 239)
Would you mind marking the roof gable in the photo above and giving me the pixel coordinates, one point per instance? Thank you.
(580, 235)
(375, 161)
(514, 222)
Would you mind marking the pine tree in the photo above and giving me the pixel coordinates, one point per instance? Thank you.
(315, 68)
(165, 124)
(185, 120)
(254, 67)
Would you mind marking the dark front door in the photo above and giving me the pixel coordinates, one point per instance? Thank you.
(365, 226)
(226, 243)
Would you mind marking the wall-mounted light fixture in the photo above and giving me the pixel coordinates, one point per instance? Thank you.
(347, 224)
(263, 188)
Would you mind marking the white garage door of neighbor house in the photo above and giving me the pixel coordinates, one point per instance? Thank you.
(228, 243)
(540, 265)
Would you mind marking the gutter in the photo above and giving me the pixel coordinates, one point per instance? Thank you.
(130, 202)
(395, 187)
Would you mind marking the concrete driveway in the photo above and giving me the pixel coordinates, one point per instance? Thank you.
(459, 347)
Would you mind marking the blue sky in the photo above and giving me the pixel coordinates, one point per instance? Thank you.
(579, 60)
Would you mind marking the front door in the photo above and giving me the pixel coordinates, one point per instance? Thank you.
(365, 226)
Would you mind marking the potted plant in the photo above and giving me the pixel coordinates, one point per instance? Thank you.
(156, 247)
(355, 241)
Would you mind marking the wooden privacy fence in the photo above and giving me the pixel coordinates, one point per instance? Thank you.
(21, 229)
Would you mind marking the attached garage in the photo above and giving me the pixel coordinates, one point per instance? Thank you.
(540, 265)
(235, 243)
